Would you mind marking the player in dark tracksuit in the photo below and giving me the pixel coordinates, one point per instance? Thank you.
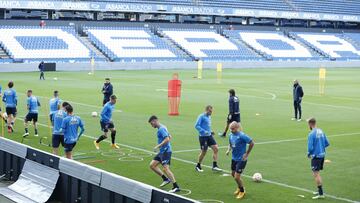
(107, 90)
(234, 111)
(42, 68)
(298, 94)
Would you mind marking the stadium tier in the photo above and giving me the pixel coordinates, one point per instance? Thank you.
(146, 44)
(209, 45)
(331, 45)
(30, 43)
(133, 44)
(313, 6)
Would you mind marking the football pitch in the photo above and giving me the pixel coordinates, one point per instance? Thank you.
(266, 107)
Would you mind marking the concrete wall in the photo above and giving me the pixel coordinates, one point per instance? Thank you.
(20, 67)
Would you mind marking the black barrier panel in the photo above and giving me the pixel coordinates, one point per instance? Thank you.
(10, 165)
(70, 189)
(43, 158)
(49, 66)
(161, 197)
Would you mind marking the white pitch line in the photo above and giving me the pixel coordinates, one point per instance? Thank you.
(273, 142)
(226, 171)
(161, 90)
(271, 94)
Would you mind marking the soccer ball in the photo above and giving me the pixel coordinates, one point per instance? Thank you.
(55, 79)
(4, 115)
(94, 114)
(257, 177)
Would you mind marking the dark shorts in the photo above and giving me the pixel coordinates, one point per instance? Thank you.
(31, 117)
(56, 140)
(238, 166)
(51, 117)
(206, 141)
(106, 126)
(234, 117)
(317, 164)
(11, 111)
(69, 147)
(163, 158)
(106, 100)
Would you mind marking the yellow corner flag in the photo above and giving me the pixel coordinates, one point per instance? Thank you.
(200, 68)
(322, 79)
(219, 72)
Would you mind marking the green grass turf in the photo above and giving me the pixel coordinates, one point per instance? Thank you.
(284, 162)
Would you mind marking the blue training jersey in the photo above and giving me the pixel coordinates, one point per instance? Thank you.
(106, 113)
(57, 119)
(70, 127)
(10, 98)
(238, 142)
(203, 125)
(317, 142)
(54, 104)
(163, 133)
(33, 104)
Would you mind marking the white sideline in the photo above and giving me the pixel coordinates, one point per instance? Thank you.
(206, 166)
(273, 141)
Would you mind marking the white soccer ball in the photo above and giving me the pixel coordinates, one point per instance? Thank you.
(55, 78)
(94, 114)
(4, 115)
(257, 177)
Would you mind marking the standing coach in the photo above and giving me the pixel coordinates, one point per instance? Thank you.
(234, 111)
(107, 90)
(298, 94)
(42, 69)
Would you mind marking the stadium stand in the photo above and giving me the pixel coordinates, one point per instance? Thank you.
(273, 44)
(154, 43)
(328, 6)
(209, 45)
(333, 45)
(132, 44)
(52, 44)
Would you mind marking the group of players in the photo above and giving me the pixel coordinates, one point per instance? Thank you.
(66, 127)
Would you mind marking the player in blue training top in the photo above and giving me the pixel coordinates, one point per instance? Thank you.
(10, 99)
(234, 111)
(57, 134)
(1, 115)
(238, 142)
(54, 104)
(33, 108)
(317, 143)
(107, 124)
(206, 138)
(70, 127)
(164, 155)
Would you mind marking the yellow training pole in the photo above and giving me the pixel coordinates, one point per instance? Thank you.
(322, 79)
(219, 72)
(200, 68)
(92, 63)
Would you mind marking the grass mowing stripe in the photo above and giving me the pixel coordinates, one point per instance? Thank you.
(274, 141)
(226, 171)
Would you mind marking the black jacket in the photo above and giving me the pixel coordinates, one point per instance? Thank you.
(298, 92)
(107, 90)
